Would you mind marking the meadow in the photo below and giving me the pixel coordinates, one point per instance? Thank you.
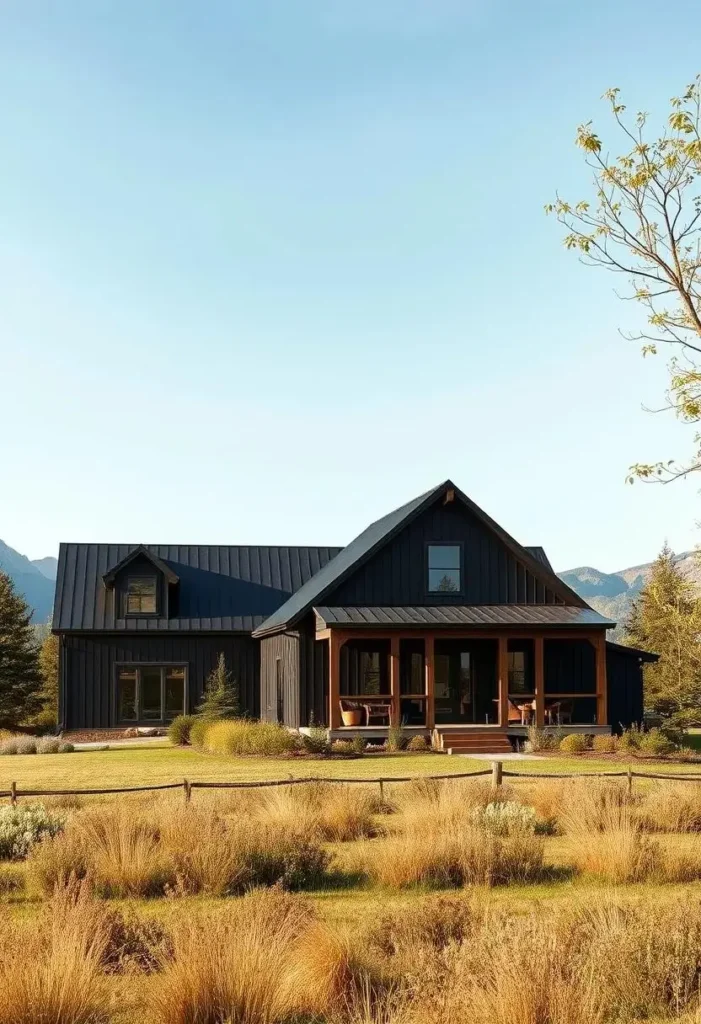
(544, 902)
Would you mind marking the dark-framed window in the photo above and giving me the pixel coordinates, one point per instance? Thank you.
(444, 569)
(150, 693)
(141, 595)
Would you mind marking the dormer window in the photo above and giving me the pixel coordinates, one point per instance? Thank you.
(444, 569)
(141, 596)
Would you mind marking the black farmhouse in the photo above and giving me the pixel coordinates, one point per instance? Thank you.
(433, 617)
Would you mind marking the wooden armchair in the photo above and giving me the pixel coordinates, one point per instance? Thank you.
(377, 709)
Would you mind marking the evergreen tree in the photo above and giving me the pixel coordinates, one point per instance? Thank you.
(48, 666)
(20, 679)
(666, 619)
(221, 699)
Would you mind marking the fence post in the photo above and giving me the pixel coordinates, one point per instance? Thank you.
(187, 789)
(382, 792)
(630, 780)
(496, 774)
(13, 794)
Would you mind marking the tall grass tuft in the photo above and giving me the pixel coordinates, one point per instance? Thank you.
(241, 736)
(52, 972)
(332, 813)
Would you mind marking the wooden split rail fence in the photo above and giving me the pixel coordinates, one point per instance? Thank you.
(496, 771)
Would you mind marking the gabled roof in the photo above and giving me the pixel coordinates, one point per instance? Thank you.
(539, 554)
(220, 588)
(380, 533)
(449, 616)
(139, 552)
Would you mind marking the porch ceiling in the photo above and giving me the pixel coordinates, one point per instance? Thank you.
(450, 616)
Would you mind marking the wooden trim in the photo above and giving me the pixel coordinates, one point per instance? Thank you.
(429, 644)
(394, 681)
(336, 641)
(455, 633)
(601, 681)
(539, 677)
(503, 678)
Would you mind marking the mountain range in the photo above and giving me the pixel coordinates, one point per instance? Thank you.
(611, 593)
(34, 580)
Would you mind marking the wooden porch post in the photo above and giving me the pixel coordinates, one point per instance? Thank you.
(429, 647)
(601, 680)
(394, 684)
(539, 681)
(335, 643)
(503, 675)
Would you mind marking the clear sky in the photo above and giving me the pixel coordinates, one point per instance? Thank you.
(270, 268)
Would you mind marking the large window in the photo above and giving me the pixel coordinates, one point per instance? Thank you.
(444, 569)
(141, 596)
(151, 693)
(365, 668)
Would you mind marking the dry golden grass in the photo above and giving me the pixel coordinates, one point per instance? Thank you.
(671, 807)
(131, 851)
(333, 813)
(52, 972)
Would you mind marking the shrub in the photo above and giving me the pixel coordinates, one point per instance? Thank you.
(396, 738)
(418, 744)
(503, 819)
(629, 739)
(26, 745)
(538, 739)
(240, 736)
(179, 730)
(48, 745)
(9, 746)
(316, 741)
(45, 721)
(655, 744)
(358, 743)
(574, 743)
(134, 944)
(23, 826)
(342, 747)
(198, 730)
(65, 748)
(605, 744)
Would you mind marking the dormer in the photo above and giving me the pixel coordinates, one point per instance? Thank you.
(143, 585)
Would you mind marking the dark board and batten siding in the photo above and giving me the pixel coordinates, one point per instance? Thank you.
(279, 660)
(624, 671)
(88, 670)
(396, 574)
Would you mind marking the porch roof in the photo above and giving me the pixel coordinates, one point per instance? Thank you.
(451, 616)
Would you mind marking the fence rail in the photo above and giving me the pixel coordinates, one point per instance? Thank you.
(496, 770)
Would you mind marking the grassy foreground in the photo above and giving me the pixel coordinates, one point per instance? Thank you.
(158, 764)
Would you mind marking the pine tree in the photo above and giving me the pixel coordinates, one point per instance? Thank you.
(48, 666)
(20, 679)
(221, 699)
(666, 619)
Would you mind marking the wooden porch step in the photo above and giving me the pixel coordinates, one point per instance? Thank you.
(477, 742)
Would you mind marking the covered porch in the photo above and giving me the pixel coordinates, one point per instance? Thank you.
(465, 670)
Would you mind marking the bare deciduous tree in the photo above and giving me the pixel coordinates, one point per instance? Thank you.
(646, 224)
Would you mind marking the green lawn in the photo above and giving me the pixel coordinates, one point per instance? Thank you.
(153, 765)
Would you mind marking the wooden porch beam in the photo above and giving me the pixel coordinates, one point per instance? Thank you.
(394, 682)
(336, 641)
(503, 677)
(539, 673)
(429, 663)
(601, 680)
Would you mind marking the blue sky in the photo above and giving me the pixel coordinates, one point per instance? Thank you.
(269, 269)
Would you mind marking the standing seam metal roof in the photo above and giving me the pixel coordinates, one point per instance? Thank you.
(445, 616)
(220, 588)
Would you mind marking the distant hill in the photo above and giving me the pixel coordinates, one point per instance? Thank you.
(34, 580)
(613, 593)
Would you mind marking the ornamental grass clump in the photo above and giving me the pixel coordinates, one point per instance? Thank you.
(234, 737)
(23, 826)
(503, 819)
(51, 969)
(332, 812)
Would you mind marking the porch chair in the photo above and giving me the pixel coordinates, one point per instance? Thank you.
(561, 712)
(377, 710)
